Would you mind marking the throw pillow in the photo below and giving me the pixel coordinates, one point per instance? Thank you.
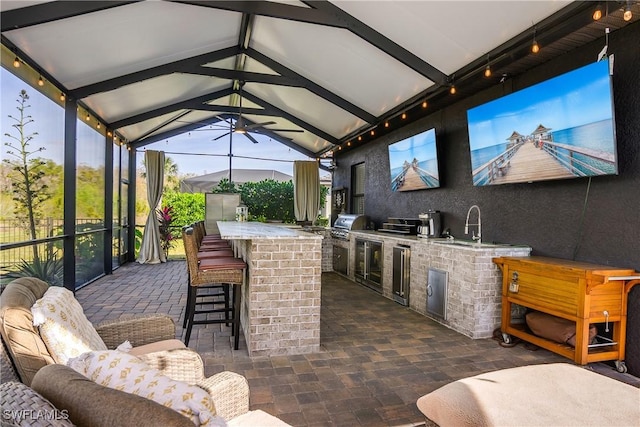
(122, 371)
(64, 328)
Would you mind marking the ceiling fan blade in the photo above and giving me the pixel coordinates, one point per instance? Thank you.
(257, 125)
(252, 139)
(221, 136)
(285, 130)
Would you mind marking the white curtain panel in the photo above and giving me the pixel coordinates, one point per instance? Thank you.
(151, 250)
(306, 190)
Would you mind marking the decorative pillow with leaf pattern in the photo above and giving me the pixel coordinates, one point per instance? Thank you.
(63, 327)
(122, 371)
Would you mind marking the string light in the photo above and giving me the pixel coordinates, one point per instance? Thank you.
(452, 90)
(98, 125)
(359, 137)
(487, 70)
(627, 15)
(373, 132)
(386, 124)
(424, 104)
(404, 116)
(16, 62)
(62, 97)
(535, 47)
(597, 14)
(87, 118)
(40, 81)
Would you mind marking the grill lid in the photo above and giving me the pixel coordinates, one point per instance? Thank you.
(351, 222)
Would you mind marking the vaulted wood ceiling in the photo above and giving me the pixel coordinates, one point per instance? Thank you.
(328, 70)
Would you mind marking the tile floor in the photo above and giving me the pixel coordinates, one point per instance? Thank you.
(377, 356)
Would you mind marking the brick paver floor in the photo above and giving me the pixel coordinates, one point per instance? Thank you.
(377, 357)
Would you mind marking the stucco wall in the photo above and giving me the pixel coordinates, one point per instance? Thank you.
(543, 215)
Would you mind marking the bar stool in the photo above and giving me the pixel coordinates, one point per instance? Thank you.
(223, 271)
(202, 230)
(210, 294)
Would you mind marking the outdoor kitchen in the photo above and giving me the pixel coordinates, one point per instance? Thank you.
(451, 281)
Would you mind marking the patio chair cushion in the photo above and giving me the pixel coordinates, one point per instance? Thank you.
(155, 347)
(26, 348)
(122, 371)
(21, 405)
(538, 395)
(90, 404)
(63, 326)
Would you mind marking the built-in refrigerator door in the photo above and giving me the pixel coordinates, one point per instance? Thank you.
(360, 258)
(401, 274)
(374, 263)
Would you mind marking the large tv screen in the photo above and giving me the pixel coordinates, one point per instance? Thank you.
(414, 162)
(560, 128)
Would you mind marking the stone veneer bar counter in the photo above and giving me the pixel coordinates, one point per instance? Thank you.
(280, 313)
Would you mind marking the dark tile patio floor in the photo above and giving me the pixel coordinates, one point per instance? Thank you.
(377, 357)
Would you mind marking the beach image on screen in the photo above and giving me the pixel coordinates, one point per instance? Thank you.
(414, 162)
(560, 128)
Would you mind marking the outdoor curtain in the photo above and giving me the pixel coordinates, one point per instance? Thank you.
(151, 249)
(306, 190)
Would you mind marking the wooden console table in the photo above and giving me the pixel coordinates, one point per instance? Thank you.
(580, 292)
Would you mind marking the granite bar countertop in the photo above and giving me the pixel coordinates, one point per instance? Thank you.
(234, 230)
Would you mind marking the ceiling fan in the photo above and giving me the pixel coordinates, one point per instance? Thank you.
(242, 127)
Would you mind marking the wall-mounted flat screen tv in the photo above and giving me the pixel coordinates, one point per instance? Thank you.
(560, 128)
(414, 162)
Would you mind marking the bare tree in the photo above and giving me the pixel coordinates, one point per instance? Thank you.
(27, 183)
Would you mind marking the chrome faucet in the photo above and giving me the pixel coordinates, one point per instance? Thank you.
(478, 224)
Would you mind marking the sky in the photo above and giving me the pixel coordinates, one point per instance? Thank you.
(210, 156)
(421, 146)
(576, 98)
(199, 153)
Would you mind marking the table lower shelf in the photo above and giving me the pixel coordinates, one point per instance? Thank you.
(599, 353)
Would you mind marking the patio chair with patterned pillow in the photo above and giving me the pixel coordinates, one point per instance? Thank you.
(152, 337)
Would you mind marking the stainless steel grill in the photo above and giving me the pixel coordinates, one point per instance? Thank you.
(347, 222)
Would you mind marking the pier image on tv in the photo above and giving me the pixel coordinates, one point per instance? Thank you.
(414, 162)
(560, 128)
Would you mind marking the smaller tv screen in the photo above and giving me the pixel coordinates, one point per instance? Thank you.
(414, 162)
(557, 129)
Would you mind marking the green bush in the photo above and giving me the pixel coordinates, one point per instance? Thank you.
(267, 199)
(186, 207)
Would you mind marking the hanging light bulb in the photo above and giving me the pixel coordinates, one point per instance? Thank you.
(386, 124)
(16, 62)
(62, 97)
(627, 15)
(452, 90)
(487, 70)
(87, 118)
(98, 125)
(535, 47)
(373, 132)
(40, 81)
(424, 104)
(359, 137)
(404, 116)
(597, 14)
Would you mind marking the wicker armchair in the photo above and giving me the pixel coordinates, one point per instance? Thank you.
(152, 336)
